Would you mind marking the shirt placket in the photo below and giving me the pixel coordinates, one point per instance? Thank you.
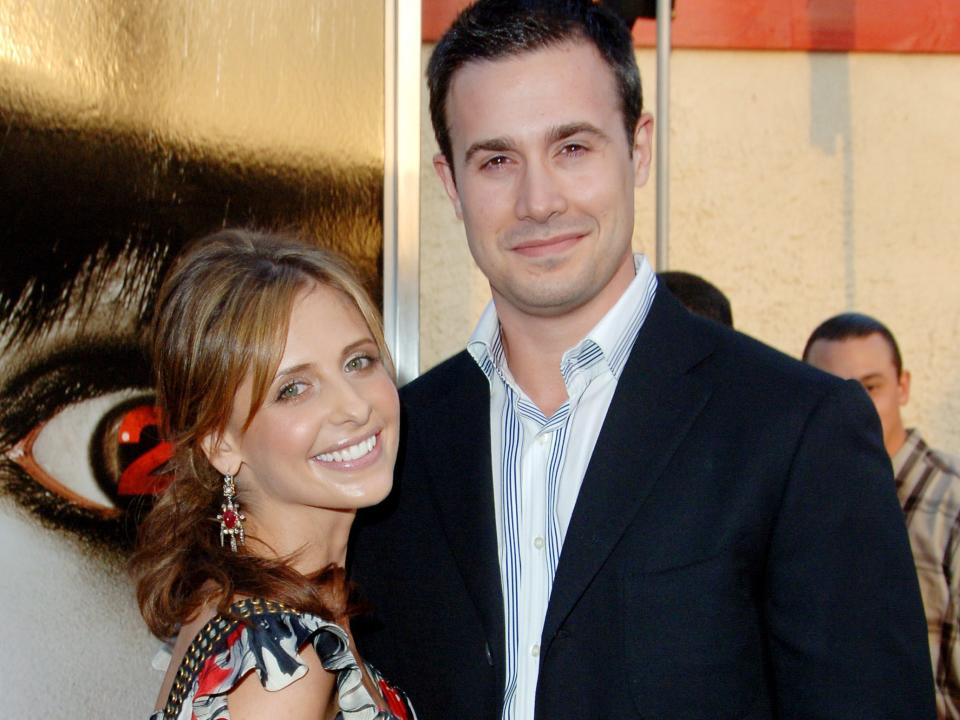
(535, 584)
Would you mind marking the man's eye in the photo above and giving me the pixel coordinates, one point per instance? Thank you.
(573, 149)
(496, 162)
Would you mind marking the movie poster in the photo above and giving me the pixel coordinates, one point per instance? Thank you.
(127, 129)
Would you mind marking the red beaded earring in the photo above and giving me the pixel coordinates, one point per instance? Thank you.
(230, 517)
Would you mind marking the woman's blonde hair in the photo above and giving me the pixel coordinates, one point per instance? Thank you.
(222, 313)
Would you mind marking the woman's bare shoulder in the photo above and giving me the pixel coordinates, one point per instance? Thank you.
(188, 632)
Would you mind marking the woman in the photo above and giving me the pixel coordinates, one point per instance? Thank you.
(276, 390)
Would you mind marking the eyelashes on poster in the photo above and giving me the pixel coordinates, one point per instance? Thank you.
(127, 130)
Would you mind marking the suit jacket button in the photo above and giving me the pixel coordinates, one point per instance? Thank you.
(486, 649)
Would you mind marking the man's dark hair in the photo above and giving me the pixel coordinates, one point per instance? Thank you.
(854, 325)
(698, 295)
(495, 29)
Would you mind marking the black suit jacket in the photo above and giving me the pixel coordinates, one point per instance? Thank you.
(736, 550)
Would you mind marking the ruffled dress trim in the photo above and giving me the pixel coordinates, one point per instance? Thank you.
(269, 643)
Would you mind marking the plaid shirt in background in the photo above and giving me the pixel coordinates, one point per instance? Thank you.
(928, 485)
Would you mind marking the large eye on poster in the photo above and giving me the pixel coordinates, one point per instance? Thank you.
(127, 129)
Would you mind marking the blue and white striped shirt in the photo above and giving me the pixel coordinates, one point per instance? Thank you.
(539, 464)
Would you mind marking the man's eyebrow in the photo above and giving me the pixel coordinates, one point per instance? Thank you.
(499, 144)
(562, 132)
(871, 376)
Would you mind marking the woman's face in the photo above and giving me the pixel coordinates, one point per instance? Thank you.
(326, 435)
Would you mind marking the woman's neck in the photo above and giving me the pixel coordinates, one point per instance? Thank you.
(312, 538)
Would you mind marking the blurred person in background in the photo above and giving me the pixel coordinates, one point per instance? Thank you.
(698, 295)
(858, 347)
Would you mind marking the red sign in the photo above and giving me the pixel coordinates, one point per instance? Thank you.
(920, 26)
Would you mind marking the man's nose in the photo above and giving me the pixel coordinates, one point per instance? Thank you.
(540, 195)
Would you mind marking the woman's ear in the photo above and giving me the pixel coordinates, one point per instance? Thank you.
(219, 449)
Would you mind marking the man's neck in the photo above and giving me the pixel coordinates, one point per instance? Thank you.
(534, 351)
(895, 441)
(534, 344)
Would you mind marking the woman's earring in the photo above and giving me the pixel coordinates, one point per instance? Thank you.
(230, 517)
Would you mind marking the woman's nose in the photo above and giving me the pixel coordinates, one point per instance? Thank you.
(350, 404)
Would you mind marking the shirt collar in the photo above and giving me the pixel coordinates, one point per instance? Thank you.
(610, 339)
(484, 345)
(910, 444)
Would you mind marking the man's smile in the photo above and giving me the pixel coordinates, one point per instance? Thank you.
(548, 246)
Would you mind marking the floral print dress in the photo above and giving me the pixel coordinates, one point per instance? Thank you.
(268, 640)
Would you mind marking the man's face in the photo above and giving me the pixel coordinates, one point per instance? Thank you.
(869, 360)
(545, 177)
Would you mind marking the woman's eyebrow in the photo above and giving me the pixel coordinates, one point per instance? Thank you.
(292, 370)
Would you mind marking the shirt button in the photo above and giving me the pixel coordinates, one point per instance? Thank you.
(535, 650)
(538, 543)
(543, 439)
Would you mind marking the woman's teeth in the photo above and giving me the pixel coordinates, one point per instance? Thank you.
(354, 452)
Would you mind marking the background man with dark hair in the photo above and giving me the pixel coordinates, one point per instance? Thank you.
(608, 507)
(858, 347)
(698, 295)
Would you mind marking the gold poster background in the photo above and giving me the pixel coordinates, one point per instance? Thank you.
(128, 127)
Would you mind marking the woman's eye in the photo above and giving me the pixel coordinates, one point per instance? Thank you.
(291, 390)
(360, 362)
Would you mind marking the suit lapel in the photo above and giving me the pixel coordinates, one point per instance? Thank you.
(461, 480)
(655, 403)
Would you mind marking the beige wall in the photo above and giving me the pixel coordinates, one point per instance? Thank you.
(803, 184)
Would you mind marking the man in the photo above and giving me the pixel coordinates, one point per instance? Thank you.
(858, 347)
(607, 507)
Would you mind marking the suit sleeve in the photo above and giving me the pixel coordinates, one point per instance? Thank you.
(847, 637)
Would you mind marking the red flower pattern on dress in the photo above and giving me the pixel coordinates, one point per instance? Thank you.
(395, 703)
